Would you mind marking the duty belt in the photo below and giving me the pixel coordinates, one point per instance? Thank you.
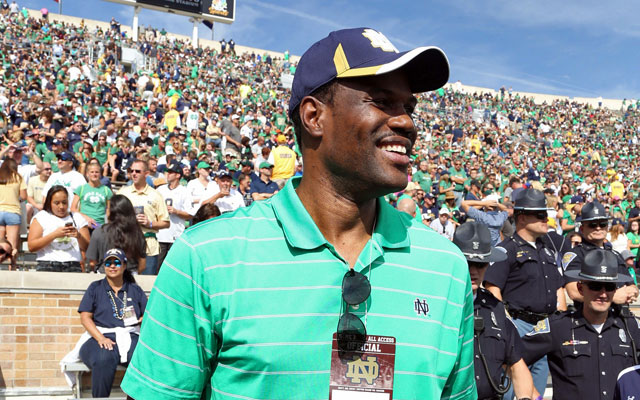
(526, 316)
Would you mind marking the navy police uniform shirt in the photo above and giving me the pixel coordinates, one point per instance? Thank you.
(584, 364)
(529, 278)
(499, 341)
(96, 300)
(573, 259)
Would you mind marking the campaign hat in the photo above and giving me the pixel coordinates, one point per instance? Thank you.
(600, 266)
(530, 200)
(474, 240)
(592, 211)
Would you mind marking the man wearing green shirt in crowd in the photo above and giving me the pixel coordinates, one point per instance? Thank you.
(257, 303)
(423, 178)
(51, 156)
(279, 119)
(458, 176)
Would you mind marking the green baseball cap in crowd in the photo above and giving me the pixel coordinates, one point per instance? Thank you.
(203, 164)
(265, 164)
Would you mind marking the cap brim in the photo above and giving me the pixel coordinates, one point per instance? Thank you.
(576, 274)
(427, 68)
(496, 255)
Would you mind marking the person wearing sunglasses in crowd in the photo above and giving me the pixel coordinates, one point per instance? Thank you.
(528, 281)
(251, 303)
(151, 211)
(594, 222)
(111, 311)
(496, 339)
(587, 348)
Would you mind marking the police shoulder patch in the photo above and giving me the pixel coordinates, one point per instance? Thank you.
(567, 258)
(541, 327)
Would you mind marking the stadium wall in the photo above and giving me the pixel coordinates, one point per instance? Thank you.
(39, 325)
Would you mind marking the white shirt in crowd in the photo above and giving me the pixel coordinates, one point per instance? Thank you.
(70, 180)
(62, 249)
(198, 192)
(446, 231)
(179, 199)
(228, 203)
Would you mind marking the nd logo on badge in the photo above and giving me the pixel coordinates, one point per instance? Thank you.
(359, 369)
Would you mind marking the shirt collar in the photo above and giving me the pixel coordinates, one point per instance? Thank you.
(300, 230)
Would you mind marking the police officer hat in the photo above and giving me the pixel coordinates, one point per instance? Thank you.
(592, 211)
(474, 240)
(530, 200)
(599, 266)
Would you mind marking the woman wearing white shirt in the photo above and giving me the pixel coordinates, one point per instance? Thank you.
(617, 237)
(57, 236)
(199, 187)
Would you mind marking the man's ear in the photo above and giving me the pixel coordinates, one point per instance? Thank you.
(313, 114)
(580, 288)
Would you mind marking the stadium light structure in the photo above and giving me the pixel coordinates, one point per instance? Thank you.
(198, 10)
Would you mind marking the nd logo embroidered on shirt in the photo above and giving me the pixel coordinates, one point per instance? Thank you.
(378, 40)
(359, 369)
(421, 307)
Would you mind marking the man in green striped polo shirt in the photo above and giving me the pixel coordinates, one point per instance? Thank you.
(247, 305)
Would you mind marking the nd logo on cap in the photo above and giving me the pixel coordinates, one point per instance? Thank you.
(379, 40)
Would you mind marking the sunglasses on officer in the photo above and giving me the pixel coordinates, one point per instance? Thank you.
(538, 214)
(598, 224)
(355, 290)
(597, 286)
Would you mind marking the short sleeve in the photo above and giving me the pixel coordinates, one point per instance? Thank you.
(177, 344)
(88, 302)
(498, 272)
(79, 220)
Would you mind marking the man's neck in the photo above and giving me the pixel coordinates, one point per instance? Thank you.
(174, 184)
(140, 186)
(594, 317)
(264, 178)
(527, 235)
(343, 221)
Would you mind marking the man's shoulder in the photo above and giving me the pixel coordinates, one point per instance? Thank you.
(257, 220)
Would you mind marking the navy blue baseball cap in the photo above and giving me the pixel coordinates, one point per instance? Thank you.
(357, 52)
(115, 253)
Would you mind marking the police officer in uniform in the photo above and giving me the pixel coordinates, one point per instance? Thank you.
(594, 222)
(528, 281)
(587, 348)
(496, 340)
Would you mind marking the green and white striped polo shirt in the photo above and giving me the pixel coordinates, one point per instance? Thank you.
(246, 305)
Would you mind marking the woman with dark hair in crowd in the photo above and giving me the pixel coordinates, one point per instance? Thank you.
(205, 212)
(57, 236)
(111, 311)
(122, 231)
(12, 190)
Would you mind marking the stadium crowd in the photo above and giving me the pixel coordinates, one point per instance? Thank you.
(215, 123)
(98, 155)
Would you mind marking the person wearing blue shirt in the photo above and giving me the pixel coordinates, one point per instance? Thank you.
(264, 187)
(111, 311)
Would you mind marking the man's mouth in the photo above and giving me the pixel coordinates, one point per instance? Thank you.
(396, 149)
